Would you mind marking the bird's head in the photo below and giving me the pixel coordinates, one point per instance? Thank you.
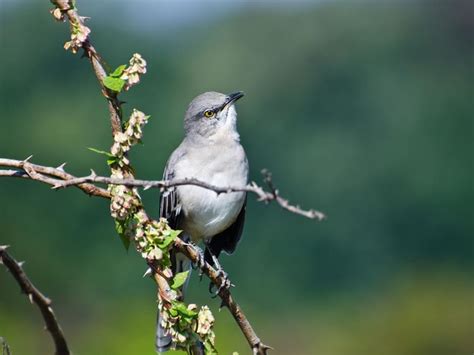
(211, 114)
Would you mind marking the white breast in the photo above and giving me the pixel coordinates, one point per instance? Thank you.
(206, 213)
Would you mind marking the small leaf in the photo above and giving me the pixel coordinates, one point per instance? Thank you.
(181, 308)
(210, 349)
(179, 279)
(168, 239)
(118, 71)
(112, 160)
(114, 84)
(100, 152)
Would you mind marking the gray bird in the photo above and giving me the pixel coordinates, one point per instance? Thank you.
(210, 152)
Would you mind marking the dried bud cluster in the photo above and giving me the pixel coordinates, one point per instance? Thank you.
(57, 14)
(132, 135)
(153, 239)
(79, 31)
(137, 67)
(205, 322)
(124, 202)
(79, 34)
(182, 321)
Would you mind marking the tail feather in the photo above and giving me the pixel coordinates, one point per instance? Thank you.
(163, 340)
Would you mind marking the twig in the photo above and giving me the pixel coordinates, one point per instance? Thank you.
(35, 296)
(227, 300)
(63, 180)
(67, 7)
(48, 175)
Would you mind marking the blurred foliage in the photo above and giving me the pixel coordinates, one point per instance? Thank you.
(361, 110)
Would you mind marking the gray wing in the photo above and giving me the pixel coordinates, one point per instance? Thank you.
(170, 206)
(227, 240)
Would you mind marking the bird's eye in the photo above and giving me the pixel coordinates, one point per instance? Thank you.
(209, 113)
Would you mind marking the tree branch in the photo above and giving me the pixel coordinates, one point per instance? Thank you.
(58, 178)
(35, 296)
(48, 175)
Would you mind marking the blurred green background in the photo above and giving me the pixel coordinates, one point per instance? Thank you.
(361, 109)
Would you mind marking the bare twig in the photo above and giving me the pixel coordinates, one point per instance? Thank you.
(46, 174)
(58, 178)
(35, 296)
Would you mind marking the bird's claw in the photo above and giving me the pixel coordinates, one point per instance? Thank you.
(225, 283)
(200, 261)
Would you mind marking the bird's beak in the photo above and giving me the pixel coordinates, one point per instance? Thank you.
(234, 97)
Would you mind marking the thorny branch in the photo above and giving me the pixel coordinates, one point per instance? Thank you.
(35, 296)
(58, 178)
(49, 175)
(67, 8)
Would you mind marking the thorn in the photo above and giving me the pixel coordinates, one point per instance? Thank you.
(147, 187)
(27, 159)
(55, 187)
(30, 297)
(148, 272)
(4, 247)
(222, 305)
(21, 263)
(61, 167)
(93, 174)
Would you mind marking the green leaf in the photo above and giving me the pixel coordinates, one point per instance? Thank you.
(114, 84)
(112, 160)
(119, 227)
(118, 71)
(167, 240)
(210, 349)
(179, 279)
(100, 152)
(183, 310)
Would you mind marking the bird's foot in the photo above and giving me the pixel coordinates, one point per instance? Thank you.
(222, 276)
(201, 260)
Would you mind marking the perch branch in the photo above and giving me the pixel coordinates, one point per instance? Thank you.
(193, 253)
(58, 178)
(35, 296)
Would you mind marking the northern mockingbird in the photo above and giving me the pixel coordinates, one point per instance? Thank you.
(210, 152)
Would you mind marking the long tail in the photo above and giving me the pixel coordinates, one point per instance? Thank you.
(163, 340)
